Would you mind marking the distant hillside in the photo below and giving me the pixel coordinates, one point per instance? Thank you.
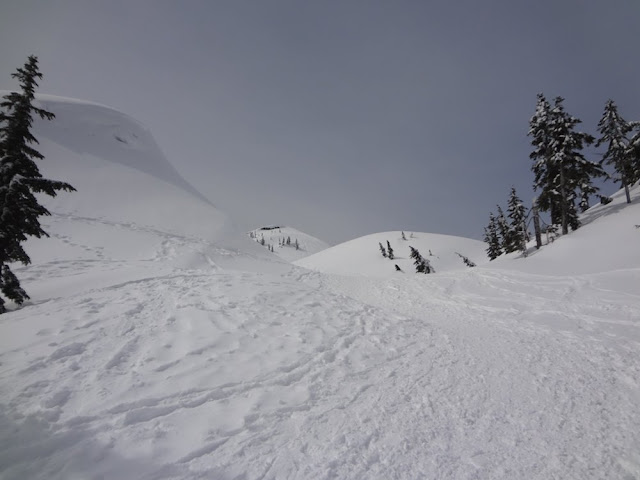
(362, 256)
(287, 242)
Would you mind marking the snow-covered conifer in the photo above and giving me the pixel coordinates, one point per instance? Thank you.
(491, 237)
(517, 213)
(422, 265)
(466, 260)
(614, 131)
(562, 173)
(382, 250)
(20, 178)
(390, 251)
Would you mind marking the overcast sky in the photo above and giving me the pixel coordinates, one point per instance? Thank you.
(338, 117)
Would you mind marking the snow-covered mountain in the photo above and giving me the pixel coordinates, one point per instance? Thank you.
(160, 343)
(287, 242)
(362, 256)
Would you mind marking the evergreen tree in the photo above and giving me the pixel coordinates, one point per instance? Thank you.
(418, 261)
(494, 250)
(20, 178)
(382, 250)
(297, 245)
(288, 240)
(562, 173)
(613, 131)
(506, 236)
(389, 251)
(398, 269)
(543, 169)
(517, 213)
(469, 263)
(422, 265)
(634, 152)
(403, 236)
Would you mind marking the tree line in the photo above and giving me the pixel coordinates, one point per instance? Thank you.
(563, 176)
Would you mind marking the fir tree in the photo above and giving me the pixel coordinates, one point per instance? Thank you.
(382, 250)
(418, 261)
(634, 151)
(422, 265)
(297, 245)
(403, 236)
(613, 131)
(466, 260)
(398, 269)
(389, 251)
(506, 236)
(20, 178)
(517, 213)
(562, 173)
(494, 250)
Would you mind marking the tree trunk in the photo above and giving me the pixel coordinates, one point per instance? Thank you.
(563, 206)
(626, 191)
(536, 223)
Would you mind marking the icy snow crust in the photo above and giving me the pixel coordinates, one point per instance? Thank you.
(166, 346)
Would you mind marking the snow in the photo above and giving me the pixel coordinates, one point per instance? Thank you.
(161, 343)
(277, 235)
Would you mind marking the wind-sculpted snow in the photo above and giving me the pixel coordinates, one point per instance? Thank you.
(87, 128)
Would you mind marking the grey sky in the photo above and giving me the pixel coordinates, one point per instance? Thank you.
(340, 118)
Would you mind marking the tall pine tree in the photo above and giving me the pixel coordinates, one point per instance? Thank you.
(491, 237)
(562, 173)
(418, 261)
(390, 251)
(506, 235)
(20, 178)
(517, 213)
(544, 170)
(614, 131)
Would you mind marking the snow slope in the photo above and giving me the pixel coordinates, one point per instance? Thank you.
(606, 241)
(362, 256)
(160, 345)
(277, 235)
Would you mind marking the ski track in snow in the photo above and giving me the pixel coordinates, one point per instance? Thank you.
(178, 373)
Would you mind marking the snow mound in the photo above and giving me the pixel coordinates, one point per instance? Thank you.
(277, 236)
(362, 256)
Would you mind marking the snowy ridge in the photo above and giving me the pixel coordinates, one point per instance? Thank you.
(277, 236)
(362, 256)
